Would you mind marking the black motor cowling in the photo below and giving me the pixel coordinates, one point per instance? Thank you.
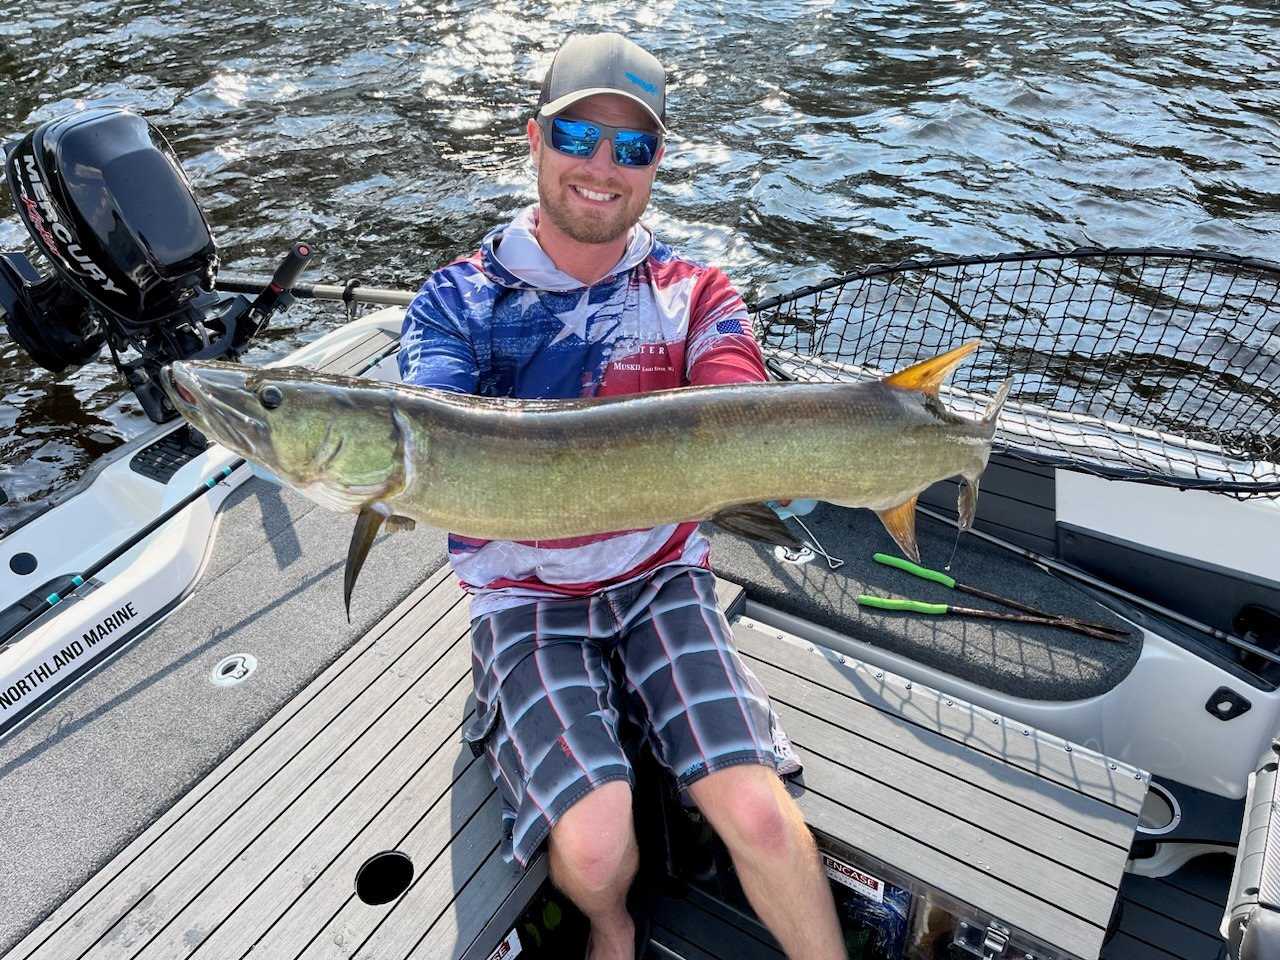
(104, 198)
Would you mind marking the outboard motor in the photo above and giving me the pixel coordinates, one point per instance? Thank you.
(106, 201)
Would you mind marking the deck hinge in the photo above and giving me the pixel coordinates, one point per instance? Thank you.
(989, 943)
(994, 942)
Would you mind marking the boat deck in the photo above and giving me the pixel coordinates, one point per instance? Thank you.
(1174, 917)
(260, 858)
(262, 855)
(229, 823)
(1010, 823)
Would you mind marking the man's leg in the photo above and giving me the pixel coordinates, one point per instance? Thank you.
(707, 711)
(553, 738)
(776, 858)
(593, 857)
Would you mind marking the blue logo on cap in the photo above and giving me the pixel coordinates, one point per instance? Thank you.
(644, 85)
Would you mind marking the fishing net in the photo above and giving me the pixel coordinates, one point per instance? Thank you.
(1149, 364)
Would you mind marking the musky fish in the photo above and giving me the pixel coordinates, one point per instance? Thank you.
(499, 468)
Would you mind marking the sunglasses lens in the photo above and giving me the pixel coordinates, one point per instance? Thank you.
(632, 148)
(574, 137)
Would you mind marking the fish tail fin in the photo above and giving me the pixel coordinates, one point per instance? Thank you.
(927, 375)
(992, 413)
(967, 503)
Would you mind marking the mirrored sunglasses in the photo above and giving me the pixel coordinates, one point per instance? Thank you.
(581, 138)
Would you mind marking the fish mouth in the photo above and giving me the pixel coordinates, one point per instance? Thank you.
(195, 393)
(177, 387)
(184, 392)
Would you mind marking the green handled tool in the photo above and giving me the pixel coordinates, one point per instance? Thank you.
(1029, 614)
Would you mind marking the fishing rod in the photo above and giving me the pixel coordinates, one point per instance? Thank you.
(80, 579)
(1026, 613)
(1101, 585)
(350, 292)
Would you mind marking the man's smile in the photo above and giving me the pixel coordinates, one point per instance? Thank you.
(595, 195)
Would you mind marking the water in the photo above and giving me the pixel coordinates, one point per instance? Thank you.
(812, 138)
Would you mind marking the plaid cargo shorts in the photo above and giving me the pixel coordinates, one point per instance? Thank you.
(549, 702)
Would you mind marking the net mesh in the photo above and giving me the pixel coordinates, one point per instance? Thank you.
(1152, 364)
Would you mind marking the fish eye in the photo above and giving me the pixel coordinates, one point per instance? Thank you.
(270, 396)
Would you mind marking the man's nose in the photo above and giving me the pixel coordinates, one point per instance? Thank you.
(602, 159)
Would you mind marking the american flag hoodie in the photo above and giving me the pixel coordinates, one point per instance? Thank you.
(505, 322)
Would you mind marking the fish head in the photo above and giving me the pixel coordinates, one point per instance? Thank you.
(335, 440)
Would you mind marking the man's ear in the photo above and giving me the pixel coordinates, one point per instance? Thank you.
(535, 141)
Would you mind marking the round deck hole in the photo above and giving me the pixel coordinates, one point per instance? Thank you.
(22, 563)
(383, 877)
(1160, 811)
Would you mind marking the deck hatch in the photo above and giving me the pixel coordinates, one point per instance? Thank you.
(384, 877)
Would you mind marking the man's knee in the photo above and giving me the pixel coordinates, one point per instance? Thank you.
(749, 809)
(594, 839)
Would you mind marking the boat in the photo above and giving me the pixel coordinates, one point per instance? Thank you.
(201, 756)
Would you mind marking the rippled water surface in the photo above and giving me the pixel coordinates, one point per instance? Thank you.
(812, 138)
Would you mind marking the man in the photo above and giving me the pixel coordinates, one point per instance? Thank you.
(576, 298)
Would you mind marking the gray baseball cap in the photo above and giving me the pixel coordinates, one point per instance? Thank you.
(604, 63)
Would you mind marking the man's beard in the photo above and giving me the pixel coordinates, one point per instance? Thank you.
(589, 226)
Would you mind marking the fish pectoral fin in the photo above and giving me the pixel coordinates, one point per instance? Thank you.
(927, 375)
(397, 523)
(900, 521)
(367, 524)
(756, 521)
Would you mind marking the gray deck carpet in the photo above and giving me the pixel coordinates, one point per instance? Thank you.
(95, 768)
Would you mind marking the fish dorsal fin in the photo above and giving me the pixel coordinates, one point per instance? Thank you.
(992, 412)
(900, 521)
(927, 375)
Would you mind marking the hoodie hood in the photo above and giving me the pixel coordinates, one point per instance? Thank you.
(511, 256)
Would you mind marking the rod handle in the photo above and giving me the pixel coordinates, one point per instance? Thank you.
(278, 294)
(914, 568)
(897, 603)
